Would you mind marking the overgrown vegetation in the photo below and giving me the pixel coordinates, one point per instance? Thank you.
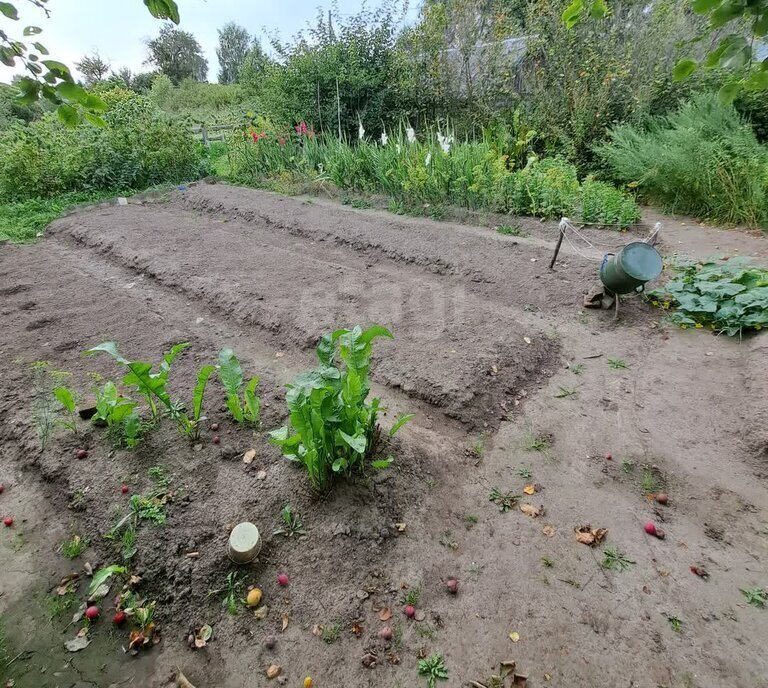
(727, 296)
(703, 160)
(334, 426)
(137, 148)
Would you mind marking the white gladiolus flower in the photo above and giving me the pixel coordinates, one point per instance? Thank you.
(384, 138)
(411, 134)
(445, 142)
(428, 159)
(360, 129)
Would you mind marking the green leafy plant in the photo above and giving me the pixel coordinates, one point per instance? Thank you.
(248, 408)
(617, 363)
(628, 466)
(728, 296)
(578, 368)
(232, 589)
(68, 400)
(433, 667)
(511, 230)
(335, 428)
(504, 500)
(614, 560)
(675, 622)
(330, 633)
(566, 392)
(153, 386)
(292, 524)
(525, 472)
(756, 596)
(103, 575)
(74, 547)
(412, 597)
(141, 508)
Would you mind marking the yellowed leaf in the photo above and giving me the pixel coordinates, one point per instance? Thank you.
(385, 614)
(532, 511)
(182, 681)
(587, 535)
(261, 612)
(249, 456)
(547, 676)
(400, 527)
(529, 489)
(286, 620)
(514, 636)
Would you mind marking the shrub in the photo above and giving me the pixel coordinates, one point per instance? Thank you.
(138, 148)
(703, 160)
(604, 204)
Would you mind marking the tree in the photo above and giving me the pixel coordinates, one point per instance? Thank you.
(234, 45)
(254, 68)
(51, 79)
(736, 25)
(93, 68)
(177, 54)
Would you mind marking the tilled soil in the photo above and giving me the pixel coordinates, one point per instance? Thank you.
(487, 346)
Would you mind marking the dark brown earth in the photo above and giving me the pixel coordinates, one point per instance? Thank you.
(485, 338)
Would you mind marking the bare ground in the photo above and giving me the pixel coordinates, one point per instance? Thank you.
(485, 338)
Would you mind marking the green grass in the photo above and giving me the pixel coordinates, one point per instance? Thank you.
(74, 547)
(21, 223)
(617, 363)
(757, 596)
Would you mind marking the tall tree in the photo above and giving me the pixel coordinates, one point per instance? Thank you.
(93, 68)
(177, 54)
(234, 44)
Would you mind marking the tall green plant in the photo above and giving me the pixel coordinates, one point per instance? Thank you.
(334, 426)
(243, 404)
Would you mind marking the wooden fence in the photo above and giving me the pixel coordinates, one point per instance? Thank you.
(208, 132)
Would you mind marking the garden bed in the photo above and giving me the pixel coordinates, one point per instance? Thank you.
(511, 387)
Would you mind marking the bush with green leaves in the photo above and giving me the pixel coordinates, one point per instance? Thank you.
(333, 427)
(728, 296)
(242, 402)
(137, 148)
(703, 160)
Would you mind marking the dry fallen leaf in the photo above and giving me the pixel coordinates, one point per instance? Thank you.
(514, 636)
(261, 612)
(249, 456)
(400, 527)
(385, 614)
(79, 642)
(273, 671)
(547, 677)
(182, 681)
(548, 530)
(286, 619)
(203, 635)
(587, 535)
(527, 340)
(317, 631)
(261, 475)
(532, 511)
(357, 630)
(529, 489)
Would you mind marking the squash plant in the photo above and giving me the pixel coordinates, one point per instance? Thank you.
(728, 296)
(334, 427)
